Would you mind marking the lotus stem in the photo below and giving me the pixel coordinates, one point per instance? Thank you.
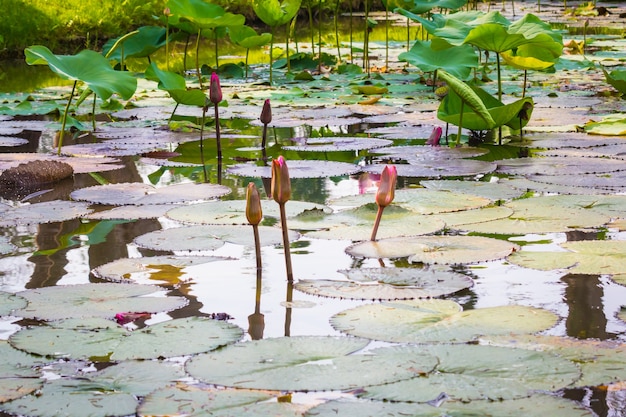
(283, 224)
(198, 59)
(271, 51)
(458, 136)
(289, 300)
(257, 247)
(206, 177)
(217, 132)
(499, 77)
(93, 112)
(217, 57)
(336, 21)
(64, 122)
(386, 35)
(379, 215)
(525, 81)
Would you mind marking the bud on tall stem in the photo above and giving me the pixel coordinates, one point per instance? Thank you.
(254, 214)
(281, 192)
(266, 118)
(215, 95)
(385, 194)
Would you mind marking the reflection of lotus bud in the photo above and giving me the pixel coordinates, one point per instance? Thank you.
(281, 184)
(215, 91)
(266, 113)
(435, 136)
(254, 213)
(387, 186)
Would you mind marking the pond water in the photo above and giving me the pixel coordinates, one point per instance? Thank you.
(586, 296)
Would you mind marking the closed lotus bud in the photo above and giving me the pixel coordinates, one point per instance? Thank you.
(387, 186)
(435, 136)
(215, 91)
(281, 184)
(254, 213)
(266, 113)
(167, 11)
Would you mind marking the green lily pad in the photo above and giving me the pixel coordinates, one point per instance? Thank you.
(10, 302)
(103, 340)
(458, 219)
(473, 372)
(613, 125)
(164, 270)
(436, 249)
(93, 300)
(617, 79)
(308, 364)
(426, 153)
(298, 169)
(137, 193)
(535, 406)
(201, 401)
(48, 212)
(492, 190)
(559, 165)
(438, 168)
(388, 284)
(429, 56)
(338, 144)
(150, 211)
(438, 321)
(580, 257)
(17, 376)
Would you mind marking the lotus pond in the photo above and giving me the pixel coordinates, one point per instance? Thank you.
(496, 285)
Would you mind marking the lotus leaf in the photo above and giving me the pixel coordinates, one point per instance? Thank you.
(176, 86)
(298, 169)
(308, 364)
(617, 79)
(144, 43)
(5, 245)
(93, 300)
(199, 401)
(137, 193)
(10, 302)
(438, 321)
(559, 165)
(457, 61)
(425, 154)
(436, 249)
(457, 219)
(612, 125)
(17, 376)
(12, 141)
(465, 95)
(151, 211)
(388, 284)
(439, 168)
(275, 12)
(194, 15)
(48, 212)
(79, 165)
(338, 144)
(494, 191)
(103, 340)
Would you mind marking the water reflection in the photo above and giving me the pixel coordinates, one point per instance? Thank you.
(583, 295)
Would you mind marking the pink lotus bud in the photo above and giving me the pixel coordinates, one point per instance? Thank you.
(125, 318)
(387, 186)
(215, 90)
(435, 136)
(266, 113)
(281, 184)
(254, 213)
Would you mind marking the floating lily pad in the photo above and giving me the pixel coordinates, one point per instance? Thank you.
(93, 300)
(298, 169)
(338, 144)
(17, 376)
(114, 148)
(438, 168)
(432, 321)
(581, 257)
(612, 125)
(308, 364)
(103, 340)
(137, 193)
(436, 249)
(149, 211)
(200, 401)
(613, 182)
(5, 245)
(10, 302)
(388, 284)
(170, 270)
(430, 153)
(48, 212)
(535, 406)
(12, 141)
(492, 190)
(525, 185)
(474, 372)
(559, 165)
(460, 218)
(231, 212)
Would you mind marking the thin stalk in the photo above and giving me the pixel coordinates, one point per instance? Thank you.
(167, 43)
(287, 33)
(366, 39)
(257, 247)
(64, 123)
(271, 51)
(198, 59)
(93, 112)
(337, 31)
(289, 300)
(351, 58)
(525, 81)
(283, 224)
(217, 57)
(319, 35)
(386, 35)
(206, 177)
(499, 77)
(247, 54)
(185, 52)
(379, 215)
(264, 138)
(310, 11)
(217, 132)
(458, 135)
(408, 34)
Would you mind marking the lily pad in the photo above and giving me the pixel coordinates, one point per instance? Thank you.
(473, 372)
(137, 193)
(93, 300)
(10, 302)
(559, 165)
(79, 165)
(48, 212)
(150, 211)
(458, 219)
(308, 364)
(429, 153)
(613, 125)
(338, 144)
(5, 245)
(388, 284)
(170, 270)
(103, 340)
(436, 249)
(298, 169)
(494, 191)
(438, 321)
(438, 168)
(17, 376)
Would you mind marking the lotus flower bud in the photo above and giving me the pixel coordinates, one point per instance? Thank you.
(435, 136)
(167, 11)
(254, 213)
(215, 90)
(387, 186)
(281, 184)
(266, 113)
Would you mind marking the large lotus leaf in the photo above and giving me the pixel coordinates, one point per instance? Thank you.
(494, 37)
(198, 401)
(308, 364)
(388, 284)
(151, 211)
(612, 125)
(532, 27)
(87, 66)
(549, 214)
(201, 15)
(438, 168)
(94, 300)
(536, 406)
(231, 212)
(469, 97)
(176, 86)
(617, 79)
(601, 361)
(276, 12)
(145, 42)
(10, 302)
(298, 169)
(137, 193)
(582, 257)
(558, 165)
(17, 377)
(539, 54)
(458, 219)
(104, 340)
(474, 372)
(436, 249)
(246, 37)
(48, 212)
(168, 270)
(425, 153)
(458, 61)
(338, 144)
(492, 190)
(432, 321)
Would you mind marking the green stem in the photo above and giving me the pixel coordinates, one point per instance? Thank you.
(64, 123)
(387, 35)
(289, 300)
(257, 247)
(93, 112)
(337, 31)
(217, 133)
(217, 57)
(499, 78)
(379, 215)
(271, 51)
(283, 224)
(206, 177)
(198, 59)
(458, 135)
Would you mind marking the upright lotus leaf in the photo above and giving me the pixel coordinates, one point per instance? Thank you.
(275, 12)
(425, 6)
(87, 66)
(468, 97)
(617, 79)
(531, 26)
(247, 37)
(144, 43)
(201, 14)
(176, 86)
(494, 37)
(458, 61)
